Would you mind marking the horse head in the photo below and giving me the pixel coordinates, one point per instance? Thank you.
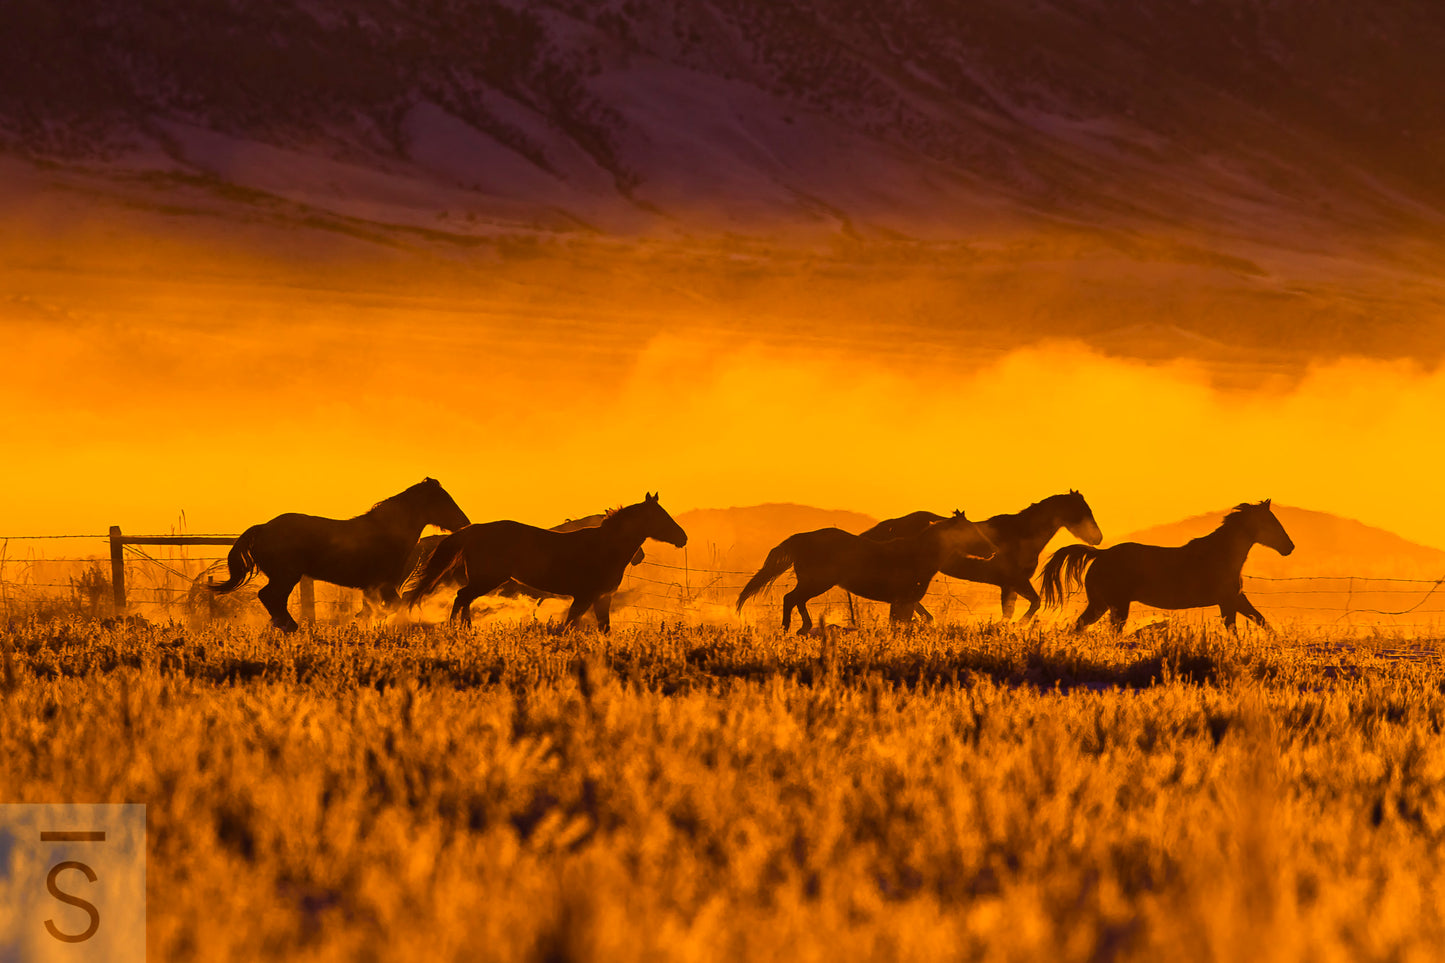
(658, 524)
(1078, 518)
(1266, 528)
(963, 537)
(439, 508)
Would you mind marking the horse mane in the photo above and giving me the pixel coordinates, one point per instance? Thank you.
(614, 514)
(580, 522)
(1237, 514)
(1015, 521)
(391, 500)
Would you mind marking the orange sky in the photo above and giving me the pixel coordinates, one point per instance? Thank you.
(233, 424)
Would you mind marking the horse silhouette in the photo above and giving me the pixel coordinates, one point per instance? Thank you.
(1202, 572)
(1018, 538)
(896, 571)
(587, 564)
(368, 552)
(515, 589)
(425, 547)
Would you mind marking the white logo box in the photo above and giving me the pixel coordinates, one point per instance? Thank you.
(72, 883)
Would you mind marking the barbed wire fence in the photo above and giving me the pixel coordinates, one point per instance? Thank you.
(1317, 601)
(168, 581)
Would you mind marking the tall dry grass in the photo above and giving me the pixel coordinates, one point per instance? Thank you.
(710, 794)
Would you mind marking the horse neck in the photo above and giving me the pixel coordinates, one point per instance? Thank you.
(398, 516)
(624, 531)
(1233, 541)
(1032, 527)
(934, 543)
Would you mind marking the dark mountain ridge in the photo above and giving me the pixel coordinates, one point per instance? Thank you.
(1213, 113)
(1250, 183)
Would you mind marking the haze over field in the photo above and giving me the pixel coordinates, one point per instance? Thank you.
(873, 259)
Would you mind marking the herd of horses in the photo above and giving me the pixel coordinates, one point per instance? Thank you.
(381, 552)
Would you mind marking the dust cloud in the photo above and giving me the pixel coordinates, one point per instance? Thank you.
(1147, 443)
(233, 424)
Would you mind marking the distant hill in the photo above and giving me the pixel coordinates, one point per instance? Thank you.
(1325, 544)
(739, 538)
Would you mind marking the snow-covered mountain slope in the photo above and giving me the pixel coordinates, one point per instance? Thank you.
(1228, 180)
(924, 118)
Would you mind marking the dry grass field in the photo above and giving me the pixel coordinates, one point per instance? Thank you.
(714, 794)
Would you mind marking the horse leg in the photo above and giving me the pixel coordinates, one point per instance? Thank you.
(462, 606)
(1007, 598)
(274, 596)
(1118, 615)
(380, 601)
(1028, 592)
(902, 611)
(923, 613)
(1090, 615)
(580, 604)
(1226, 612)
(1246, 607)
(805, 621)
(798, 598)
(790, 600)
(602, 609)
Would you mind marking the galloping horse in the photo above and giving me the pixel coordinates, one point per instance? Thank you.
(896, 571)
(366, 552)
(422, 553)
(1202, 572)
(586, 564)
(513, 588)
(1019, 538)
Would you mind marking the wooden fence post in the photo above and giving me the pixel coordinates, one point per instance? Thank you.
(308, 599)
(118, 542)
(117, 571)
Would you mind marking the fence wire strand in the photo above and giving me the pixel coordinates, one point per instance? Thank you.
(652, 580)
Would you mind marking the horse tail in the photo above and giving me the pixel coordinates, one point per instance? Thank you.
(240, 562)
(444, 558)
(1065, 570)
(779, 560)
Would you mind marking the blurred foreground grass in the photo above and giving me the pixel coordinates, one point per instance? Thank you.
(708, 794)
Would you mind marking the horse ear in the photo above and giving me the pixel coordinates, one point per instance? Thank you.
(1267, 501)
(650, 496)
